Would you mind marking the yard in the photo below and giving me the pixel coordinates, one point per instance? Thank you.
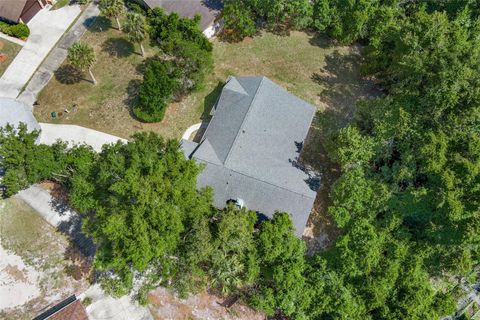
(297, 62)
(309, 66)
(37, 265)
(8, 51)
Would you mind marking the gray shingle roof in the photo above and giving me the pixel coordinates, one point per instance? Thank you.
(251, 148)
(14, 112)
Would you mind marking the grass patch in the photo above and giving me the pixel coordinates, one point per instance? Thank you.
(60, 4)
(291, 61)
(8, 51)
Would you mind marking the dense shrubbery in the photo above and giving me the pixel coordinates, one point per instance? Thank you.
(182, 67)
(155, 91)
(19, 30)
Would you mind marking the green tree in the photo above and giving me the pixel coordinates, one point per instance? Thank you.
(135, 202)
(155, 91)
(25, 162)
(112, 9)
(239, 20)
(234, 261)
(81, 56)
(136, 29)
(281, 254)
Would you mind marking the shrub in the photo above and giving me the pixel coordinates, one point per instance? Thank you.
(134, 6)
(155, 91)
(20, 30)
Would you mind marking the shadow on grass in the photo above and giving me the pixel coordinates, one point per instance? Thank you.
(98, 24)
(210, 100)
(118, 47)
(68, 74)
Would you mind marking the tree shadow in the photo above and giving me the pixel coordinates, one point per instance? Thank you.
(118, 47)
(68, 74)
(343, 88)
(320, 40)
(72, 228)
(98, 24)
(213, 4)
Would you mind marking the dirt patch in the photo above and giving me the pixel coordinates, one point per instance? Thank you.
(165, 305)
(15, 273)
(35, 261)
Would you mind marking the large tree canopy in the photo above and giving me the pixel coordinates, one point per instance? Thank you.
(135, 199)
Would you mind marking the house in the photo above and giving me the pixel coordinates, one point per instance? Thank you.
(207, 9)
(251, 148)
(68, 309)
(20, 10)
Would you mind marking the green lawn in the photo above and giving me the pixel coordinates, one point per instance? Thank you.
(8, 51)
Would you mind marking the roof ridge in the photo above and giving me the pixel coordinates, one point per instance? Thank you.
(263, 181)
(244, 119)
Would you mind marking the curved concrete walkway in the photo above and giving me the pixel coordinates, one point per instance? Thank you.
(186, 135)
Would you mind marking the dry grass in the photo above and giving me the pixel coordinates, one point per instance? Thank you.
(291, 61)
(8, 51)
(25, 234)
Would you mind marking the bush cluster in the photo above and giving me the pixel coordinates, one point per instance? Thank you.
(19, 30)
(185, 61)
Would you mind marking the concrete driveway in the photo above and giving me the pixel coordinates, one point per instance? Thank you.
(75, 135)
(46, 28)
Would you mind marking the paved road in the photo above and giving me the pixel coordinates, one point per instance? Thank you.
(58, 55)
(46, 29)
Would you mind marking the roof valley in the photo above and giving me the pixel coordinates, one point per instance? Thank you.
(243, 122)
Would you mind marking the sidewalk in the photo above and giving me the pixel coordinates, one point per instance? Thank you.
(46, 29)
(12, 39)
(56, 57)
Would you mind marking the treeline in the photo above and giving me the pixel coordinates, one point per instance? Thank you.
(408, 199)
(345, 21)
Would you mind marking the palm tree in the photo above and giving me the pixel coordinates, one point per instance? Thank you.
(136, 29)
(112, 8)
(81, 56)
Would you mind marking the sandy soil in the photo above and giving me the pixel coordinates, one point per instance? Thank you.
(203, 306)
(37, 263)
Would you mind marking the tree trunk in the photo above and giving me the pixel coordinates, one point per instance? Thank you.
(143, 50)
(118, 23)
(91, 75)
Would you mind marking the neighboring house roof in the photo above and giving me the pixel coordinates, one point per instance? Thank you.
(207, 9)
(14, 112)
(68, 309)
(12, 9)
(251, 149)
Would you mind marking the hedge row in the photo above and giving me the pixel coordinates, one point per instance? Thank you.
(19, 30)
